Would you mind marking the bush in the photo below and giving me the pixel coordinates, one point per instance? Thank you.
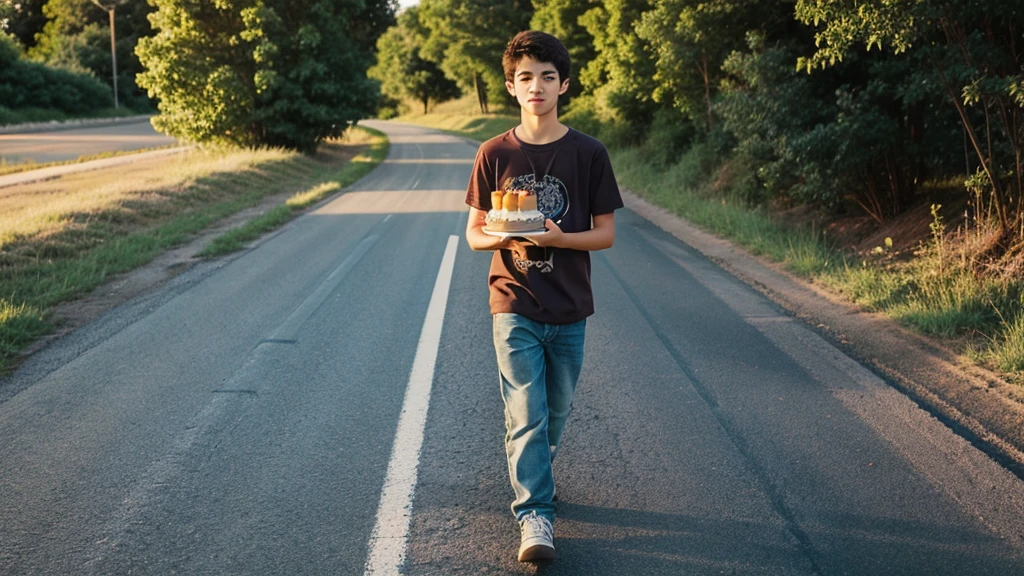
(585, 115)
(10, 51)
(25, 84)
(852, 134)
(698, 164)
(582, 115)
(668, 137)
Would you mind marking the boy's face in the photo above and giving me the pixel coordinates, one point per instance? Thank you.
(536, 86)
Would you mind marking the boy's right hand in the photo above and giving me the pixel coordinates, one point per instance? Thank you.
(478, 240)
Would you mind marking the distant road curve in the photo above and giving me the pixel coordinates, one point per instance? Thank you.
(61, 143)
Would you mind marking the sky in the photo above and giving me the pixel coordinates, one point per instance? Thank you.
(407, 3)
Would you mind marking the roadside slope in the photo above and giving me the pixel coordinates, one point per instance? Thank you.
(78, 245)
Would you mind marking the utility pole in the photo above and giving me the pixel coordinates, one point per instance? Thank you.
(113, 42)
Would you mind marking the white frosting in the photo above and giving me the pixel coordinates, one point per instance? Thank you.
(504, 215)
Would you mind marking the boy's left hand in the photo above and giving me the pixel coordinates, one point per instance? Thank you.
(552, 237)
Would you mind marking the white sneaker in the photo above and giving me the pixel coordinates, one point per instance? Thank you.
(538, 538)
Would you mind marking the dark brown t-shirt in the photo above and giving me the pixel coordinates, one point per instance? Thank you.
(573, 180)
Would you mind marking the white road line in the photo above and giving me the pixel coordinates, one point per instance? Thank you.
(390, 534)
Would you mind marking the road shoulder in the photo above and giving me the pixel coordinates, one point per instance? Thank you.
(975, 402)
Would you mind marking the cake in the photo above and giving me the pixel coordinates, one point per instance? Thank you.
(514, 211)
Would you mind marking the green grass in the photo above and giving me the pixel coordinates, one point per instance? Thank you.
(62, 238)
(802, 250)
(1008, 353)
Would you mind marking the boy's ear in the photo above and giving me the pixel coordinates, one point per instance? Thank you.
(563, 87)
(510, 87)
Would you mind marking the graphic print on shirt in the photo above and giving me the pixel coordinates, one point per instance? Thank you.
(552, 196)
(521, 258)
(553, 202)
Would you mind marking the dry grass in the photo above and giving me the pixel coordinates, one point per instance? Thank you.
(130, 196)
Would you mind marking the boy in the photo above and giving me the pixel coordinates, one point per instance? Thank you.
(540, 294)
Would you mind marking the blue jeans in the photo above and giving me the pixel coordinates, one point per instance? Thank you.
(538, 365)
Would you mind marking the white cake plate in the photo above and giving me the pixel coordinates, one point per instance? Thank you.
(523, 234)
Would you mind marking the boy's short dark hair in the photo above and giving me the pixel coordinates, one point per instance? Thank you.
(541, 47)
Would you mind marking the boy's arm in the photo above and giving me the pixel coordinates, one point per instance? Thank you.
(475, 236)
(601, 236)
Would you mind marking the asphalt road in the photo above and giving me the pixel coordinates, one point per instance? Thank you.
(69, 144)
(241, 420)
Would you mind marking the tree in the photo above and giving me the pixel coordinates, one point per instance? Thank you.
(24, 20)
(262, 72)
(620, 76)
(402, 72)
(561, 18)
(849, 134)
(62, 42)
(690, 40)
(467, 38)
(77, 37)
(973, 49)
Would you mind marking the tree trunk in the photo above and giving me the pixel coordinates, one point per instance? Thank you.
(707, 88)
(1001, 198)
(481, 92)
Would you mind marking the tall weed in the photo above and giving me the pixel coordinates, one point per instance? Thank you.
(1008, 353)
